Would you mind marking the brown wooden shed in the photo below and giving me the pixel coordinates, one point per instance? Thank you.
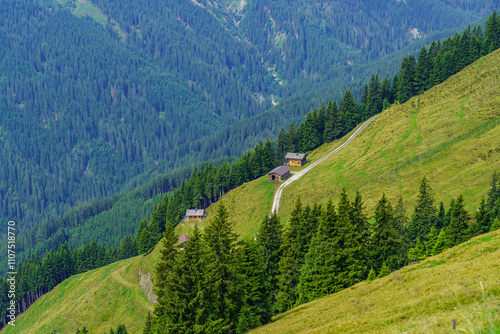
(195, 214)
(279, 173)
(296, 159)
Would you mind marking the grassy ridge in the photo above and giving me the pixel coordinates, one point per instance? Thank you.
(420, 298)
(449, 134)
(100, 299)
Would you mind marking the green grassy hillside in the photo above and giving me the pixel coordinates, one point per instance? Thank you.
(461, 283)
(449, 134)
(100, 299)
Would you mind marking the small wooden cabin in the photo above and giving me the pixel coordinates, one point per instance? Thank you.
(296, 159)
(182, 240)
(279, 173)
(195, 214)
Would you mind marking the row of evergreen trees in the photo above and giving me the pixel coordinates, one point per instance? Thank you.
(219, 284)
(35, 276)
(207, 185)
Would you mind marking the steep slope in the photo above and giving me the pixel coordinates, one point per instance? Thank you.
(100, 299)
(449, 134)
(86, 299)
(460, 285)
(135, 88)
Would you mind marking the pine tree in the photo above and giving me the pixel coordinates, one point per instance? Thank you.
(417, 253)
(430, 241)
(496, 225)
(384, 270)
(441, 243)
(220, 242)
(148, 326)
(164, 279)
(457, 230)
(371, 275)
(385, 244)
(318, 275)
(269, 240)
(425, 214)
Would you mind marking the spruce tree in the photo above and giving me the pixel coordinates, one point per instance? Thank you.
(441, 243)
(348, 112)
(385, 243)
(269, 240)
(220, 243)
(425, 214)
(417, 253)
(164, 287)
(352, 252)
(483, 218)
(371, 275)
(148, 326)
(430, 241)
(256, 303)
(496, 225)
(384, 270)
(457, 230)
(296, 240)
(318, 275)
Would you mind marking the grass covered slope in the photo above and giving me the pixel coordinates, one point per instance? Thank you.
(100, 299)
(449, 134)
(420, 298)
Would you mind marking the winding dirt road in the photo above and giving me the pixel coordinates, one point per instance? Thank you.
(298, 175)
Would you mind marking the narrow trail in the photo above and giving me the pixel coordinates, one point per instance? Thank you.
(298, 175)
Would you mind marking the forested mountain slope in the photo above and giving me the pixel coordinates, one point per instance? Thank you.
(463, 141)
(101, 95)
(447, 134)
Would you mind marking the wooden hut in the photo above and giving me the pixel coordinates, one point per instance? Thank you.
(182, 240)
(296, 159)
(195, 214)
(279, 173)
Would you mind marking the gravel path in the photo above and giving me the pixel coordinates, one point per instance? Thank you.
(298, 175)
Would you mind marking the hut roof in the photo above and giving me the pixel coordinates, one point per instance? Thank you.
(183, 238)
(281, 170)
(298, 156)
(195, 212)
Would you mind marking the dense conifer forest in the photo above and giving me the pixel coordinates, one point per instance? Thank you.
(294, 274)
(137, 89)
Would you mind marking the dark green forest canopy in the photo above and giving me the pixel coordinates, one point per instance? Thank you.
(86, 112)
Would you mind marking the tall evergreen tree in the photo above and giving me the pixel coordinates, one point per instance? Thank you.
(166, 301)
(269, 240)
(425, 214)
(220, 242)
(457, 230)
(385, 243)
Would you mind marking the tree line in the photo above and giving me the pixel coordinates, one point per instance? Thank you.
(218, 283)
(36, 276)
(332, 121)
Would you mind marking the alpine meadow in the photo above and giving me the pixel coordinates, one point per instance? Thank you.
(249, 166)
